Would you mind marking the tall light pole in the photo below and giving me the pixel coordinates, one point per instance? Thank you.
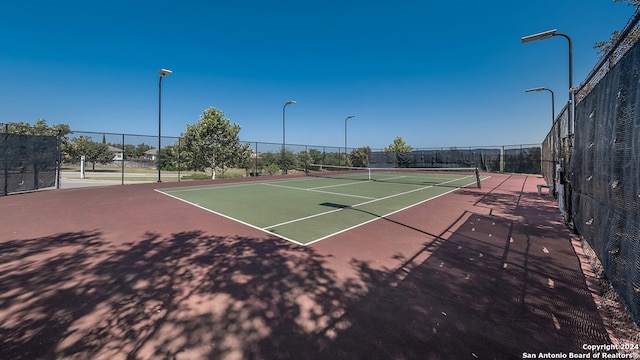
(553, 110)
(546, 35)
(162, 73)
(345, 138)
(284, 169)
(553, 118)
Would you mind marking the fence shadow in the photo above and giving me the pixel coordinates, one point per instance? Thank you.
(485, 292)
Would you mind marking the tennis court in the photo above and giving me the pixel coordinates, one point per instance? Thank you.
(329, 201)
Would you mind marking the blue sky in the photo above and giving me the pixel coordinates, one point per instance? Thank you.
(436, 73)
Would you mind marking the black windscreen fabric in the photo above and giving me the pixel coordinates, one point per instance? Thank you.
(28, 162)
(605, 175)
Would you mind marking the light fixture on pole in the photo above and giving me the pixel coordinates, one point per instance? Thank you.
(284, 169)
(553, 111)
(162, 73)
(345, 138)
(546, 35)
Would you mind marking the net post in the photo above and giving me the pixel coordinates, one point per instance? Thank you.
(478, 178)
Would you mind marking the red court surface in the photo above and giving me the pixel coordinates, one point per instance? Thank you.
(125, 272)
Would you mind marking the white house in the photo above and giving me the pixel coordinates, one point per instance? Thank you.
(118, 154)
(151, 154)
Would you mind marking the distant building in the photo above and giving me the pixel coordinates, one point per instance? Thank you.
(151, 154)
(118, 154)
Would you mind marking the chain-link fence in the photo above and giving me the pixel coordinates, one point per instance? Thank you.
(133, 158)
(523, 159)
(596, 170)
(127, 158)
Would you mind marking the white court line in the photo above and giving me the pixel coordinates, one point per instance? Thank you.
(364, 203)
(270, 233)
(218, 186)
(391, 213)
(351, 182)
(319, 191)
(381, 216)
(230, 218)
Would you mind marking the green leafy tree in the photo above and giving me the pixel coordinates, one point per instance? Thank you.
(360, 157)
(40, 127)
(399, 150)
(290, 160)
(304, 159)
(333, 158)
(140, 149)
(271, 162)
(92, 151)
(317, 157)
(213, 143)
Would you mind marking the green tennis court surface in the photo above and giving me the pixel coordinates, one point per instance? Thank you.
(309, 209)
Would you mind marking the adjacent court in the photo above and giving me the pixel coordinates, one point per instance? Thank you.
(335, 199)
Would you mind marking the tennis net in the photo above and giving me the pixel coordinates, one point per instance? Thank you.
(455, 177)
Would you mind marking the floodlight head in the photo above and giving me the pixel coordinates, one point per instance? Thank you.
(535, 89)
(164, 72)
(539, 36)
(290, 102)
(350, 117)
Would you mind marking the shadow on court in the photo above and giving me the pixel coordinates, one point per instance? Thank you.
(190, 296)
(488, 287)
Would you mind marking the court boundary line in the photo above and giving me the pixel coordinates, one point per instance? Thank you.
(382, 216)
(273, 234)
(229, 217)
(391, 213)
(366, 203)
(319, 191)
(229, 185)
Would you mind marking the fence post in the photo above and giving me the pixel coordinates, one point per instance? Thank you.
(179, 165)
(5, 164)
(123, 157)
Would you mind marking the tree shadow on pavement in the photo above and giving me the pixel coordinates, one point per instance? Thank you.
(484, 292)
(189, 296)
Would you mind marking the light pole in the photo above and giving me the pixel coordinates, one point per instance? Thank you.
(162, 73)
(553, 118)
(345, 138)
(553, 111)
(546, 35)
(284, 169)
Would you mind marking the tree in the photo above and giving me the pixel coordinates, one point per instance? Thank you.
(603, 47)
(360, 157)
(629, 2)
(317, 157)
(290, 159)
(399, 150)
(270, 162)
(92, 151)
(213, 142)
(304, 159)
(40, 127)
(139, 151)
